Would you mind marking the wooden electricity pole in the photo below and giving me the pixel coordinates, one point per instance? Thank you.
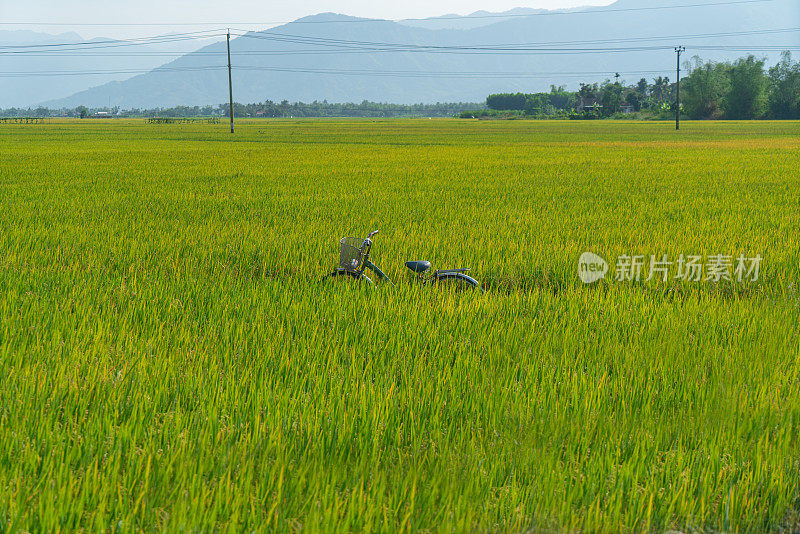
(230, 82)
(678, 50)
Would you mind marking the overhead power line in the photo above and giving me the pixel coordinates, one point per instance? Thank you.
(745, 48)
(350, 49)
(542, 47)
(338, 46)
(112, 43)
(440, 74)
(348, 72)
(24, 74)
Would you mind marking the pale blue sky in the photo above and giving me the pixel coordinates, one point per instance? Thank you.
(257, 12)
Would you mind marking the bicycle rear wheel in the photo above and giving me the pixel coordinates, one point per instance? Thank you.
(457, 281)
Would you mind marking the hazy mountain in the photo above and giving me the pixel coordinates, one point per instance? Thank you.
(266, 68)
(25, 37)
(22, 53)
(473, 20)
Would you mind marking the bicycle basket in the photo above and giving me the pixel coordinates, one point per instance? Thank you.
(350, 255)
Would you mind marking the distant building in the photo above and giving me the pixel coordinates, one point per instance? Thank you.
(589, 104)
(102, 115)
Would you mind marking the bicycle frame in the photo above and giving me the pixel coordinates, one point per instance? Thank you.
(371, 266)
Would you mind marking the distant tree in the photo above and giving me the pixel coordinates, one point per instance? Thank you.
(537, 103)
(641, 87)
(634, 98)
(660, 89)
(611, 97)
(746, 98)
(704, 90)
(561, 98)
(82, 112)
(588, 91)
(784, 89)
(507, 101)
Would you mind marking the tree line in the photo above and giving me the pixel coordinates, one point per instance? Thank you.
(742, 89)
(592, 100)
(364, 109)
(266, 109)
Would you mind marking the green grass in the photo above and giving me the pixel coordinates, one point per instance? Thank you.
(169, 359)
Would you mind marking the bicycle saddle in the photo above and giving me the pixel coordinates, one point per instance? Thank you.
(418, 266)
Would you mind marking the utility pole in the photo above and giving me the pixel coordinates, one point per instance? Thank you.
(678, 50)
(230, 81)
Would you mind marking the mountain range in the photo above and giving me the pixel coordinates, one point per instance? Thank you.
(339, 58)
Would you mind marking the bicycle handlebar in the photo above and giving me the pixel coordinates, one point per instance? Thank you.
(367, 244)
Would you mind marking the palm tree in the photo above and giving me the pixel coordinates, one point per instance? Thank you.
(660, 88)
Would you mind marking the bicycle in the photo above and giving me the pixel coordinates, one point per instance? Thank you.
(354, 260)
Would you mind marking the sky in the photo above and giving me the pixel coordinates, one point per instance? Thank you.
(83, 16)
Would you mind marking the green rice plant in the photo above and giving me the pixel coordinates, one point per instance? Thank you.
(170, 360)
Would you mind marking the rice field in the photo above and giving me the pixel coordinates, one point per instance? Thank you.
(171, 361)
